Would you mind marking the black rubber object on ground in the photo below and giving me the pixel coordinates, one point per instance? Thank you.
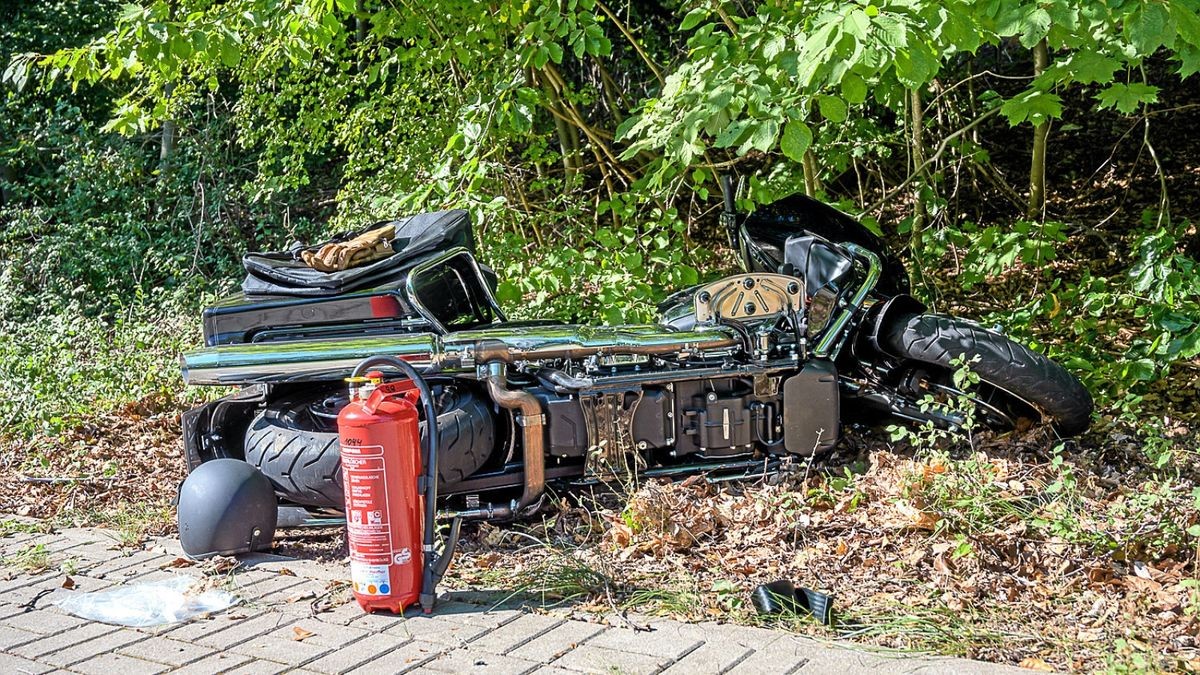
(1006, 365)
(304, 463)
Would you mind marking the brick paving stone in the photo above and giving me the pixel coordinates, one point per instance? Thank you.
(376, 622)
(470, 661)
(324, 634)
(198, 628)
(670, 644)
(407, 656)
(558, 641)
(44, 621)
(23, 580)
(342, 614)
(283, 650)
(72, 538)
(749, 636)
(516, 633)
(710, 658)
(434, 629)
(24, 594)
(769, 662)
(11, 637)
(97, 552)
(240, 631)
(106, 664)
(221, 662)
(60, 641)
(165, 650)
(592, 659)
(121, 563)
(15, 541)
(156, 575)
(259, 667)
(356, 654)
(8, 609)
(18, 548)
(554, 670)
(257, 589)
(10, 663)
(297, 595)
(88, 649)
(476, 615)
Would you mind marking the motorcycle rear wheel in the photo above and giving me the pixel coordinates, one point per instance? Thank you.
(299, 451)
(1011, 368)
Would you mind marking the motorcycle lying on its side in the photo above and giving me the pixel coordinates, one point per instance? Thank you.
(738, 373)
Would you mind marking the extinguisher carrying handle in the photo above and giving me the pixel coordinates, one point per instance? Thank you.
(429, 579)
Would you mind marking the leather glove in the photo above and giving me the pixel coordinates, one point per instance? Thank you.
(365, 248)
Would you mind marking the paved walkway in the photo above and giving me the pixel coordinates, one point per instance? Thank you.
(259, 635)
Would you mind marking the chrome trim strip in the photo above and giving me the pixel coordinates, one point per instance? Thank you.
(434, 261)
(831, 341)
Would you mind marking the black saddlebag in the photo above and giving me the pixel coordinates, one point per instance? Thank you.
(284, 272)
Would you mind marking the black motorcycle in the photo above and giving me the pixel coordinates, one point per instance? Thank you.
(738, 374)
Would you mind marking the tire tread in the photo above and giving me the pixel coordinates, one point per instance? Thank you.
(305, 466)
(1003, 363)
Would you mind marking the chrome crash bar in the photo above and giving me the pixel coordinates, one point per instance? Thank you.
(834, 336)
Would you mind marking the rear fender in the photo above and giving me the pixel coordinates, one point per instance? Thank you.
(215, 429)
(882, 315)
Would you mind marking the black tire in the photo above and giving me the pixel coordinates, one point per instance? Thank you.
(1010, 367)
(300, 453)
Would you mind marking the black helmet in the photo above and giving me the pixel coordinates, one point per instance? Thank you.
(226, 506)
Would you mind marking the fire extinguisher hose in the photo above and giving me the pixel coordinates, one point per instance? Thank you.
(433, 567)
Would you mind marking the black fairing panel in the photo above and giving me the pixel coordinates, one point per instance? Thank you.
(818, 263)
(811, 409)
(770, 227)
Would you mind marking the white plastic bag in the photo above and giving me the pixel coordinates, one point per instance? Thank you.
(153, 603)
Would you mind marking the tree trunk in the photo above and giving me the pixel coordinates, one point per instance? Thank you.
(360, 22)
(6, 177)
(1037, 166)
(812, 175)
(568, 135)
(917, 135)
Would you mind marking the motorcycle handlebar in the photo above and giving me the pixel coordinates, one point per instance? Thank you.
(727, 191)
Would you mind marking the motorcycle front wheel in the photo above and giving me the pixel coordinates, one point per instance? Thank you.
(1015, 381)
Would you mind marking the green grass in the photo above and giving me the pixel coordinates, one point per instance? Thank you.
(130, 524)
(931, 629)
(62, 368)
(11, 526)
(33, 558)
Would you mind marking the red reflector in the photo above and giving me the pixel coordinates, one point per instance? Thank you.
(383, 306)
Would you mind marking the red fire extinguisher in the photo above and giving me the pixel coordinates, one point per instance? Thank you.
(381, 464)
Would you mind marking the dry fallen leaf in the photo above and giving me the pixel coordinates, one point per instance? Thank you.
(68, 583)
(179, 562)
(301, 634)
(1034, 663)
(285, 572)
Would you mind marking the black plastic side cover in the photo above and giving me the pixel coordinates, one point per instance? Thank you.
(811, 409)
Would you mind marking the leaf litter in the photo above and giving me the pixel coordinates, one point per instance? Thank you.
(996, 553)
(984, 554)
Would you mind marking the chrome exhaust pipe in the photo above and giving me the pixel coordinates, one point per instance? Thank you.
(333, 359)
(529, 416)
(303, 360)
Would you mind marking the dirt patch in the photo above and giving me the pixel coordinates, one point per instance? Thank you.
(120, 468)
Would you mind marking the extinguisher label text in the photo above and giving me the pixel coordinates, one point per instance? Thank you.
(367, 527)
